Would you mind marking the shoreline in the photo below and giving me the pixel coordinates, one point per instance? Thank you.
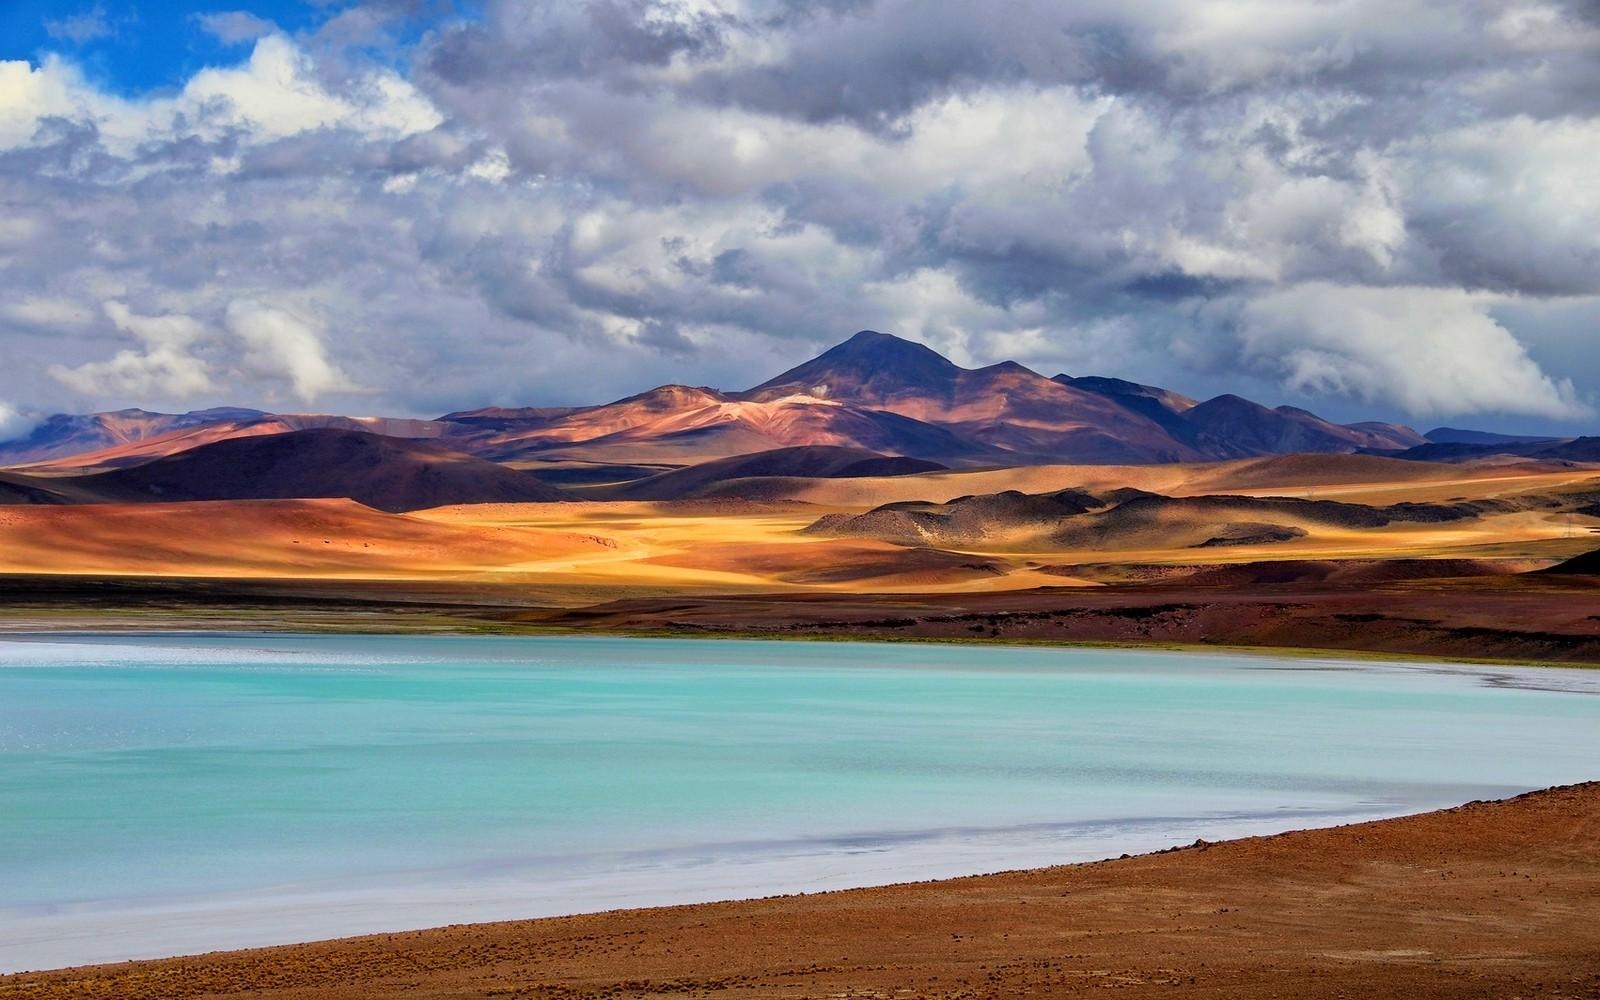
(1482, 899)
(655, 880)
(1503, 621)
(1310, 653)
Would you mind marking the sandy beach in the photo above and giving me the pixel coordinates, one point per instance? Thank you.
(1491, 899)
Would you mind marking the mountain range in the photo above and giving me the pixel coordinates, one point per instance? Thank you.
(872, 397)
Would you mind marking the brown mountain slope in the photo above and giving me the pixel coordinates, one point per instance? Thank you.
(520, 432)
(698, 425)
(18, 488)
(874, 391)
(1233, 427)
(1005, 406)
(391, 474)
(187, 435)
(66, 434)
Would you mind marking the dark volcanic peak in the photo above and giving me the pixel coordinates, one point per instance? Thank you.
(497, 417)
(869, 367)
(1457, 435)
(1582, 449)
(392, 474)
(1123, 389)
(1005, 407)
(1232, 426)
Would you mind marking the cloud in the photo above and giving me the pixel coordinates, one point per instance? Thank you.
(14, 423)
(82, 27)
(536, 203)
(163, 367)
(279, 344)
(48, 313)
(1433, 352)
(275, 93)
(235, 26)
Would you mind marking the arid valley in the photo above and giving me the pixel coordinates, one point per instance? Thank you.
(586, 525)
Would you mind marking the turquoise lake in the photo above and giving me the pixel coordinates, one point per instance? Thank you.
(178, 793)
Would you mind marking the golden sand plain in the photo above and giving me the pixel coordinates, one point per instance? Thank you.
(732, 546)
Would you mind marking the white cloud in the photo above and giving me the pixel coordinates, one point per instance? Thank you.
(1429, 351)
(28, 94)
(277, 93)
(13, 423)
(1509, 204)
(48, 312)
(84, 26)
(274, 94)
(280, 344)
(234, 26)
(495, 167)
(164, 367)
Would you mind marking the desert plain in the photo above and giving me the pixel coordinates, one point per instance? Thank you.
(1279, 551)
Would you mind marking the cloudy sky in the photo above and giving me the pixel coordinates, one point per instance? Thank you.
(1374, 208)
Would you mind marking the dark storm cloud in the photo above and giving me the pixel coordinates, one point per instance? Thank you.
(1385, 204)
(609, 40)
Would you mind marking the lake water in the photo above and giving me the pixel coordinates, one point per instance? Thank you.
(174, 794)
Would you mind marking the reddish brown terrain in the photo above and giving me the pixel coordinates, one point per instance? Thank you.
(1489, 900)
(1349, 552)
(874, 392)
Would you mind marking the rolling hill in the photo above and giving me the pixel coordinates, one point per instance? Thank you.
(391, 474)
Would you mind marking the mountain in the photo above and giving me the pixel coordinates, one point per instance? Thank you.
(1455, 435)
(387, 473)
(871, 369)
(684, 425)
(1581, 449)
(1163, 406)
(97, 442)
(1004, 406)
(873, 392)
(1230, 426)
(19, 489)
(73, 434)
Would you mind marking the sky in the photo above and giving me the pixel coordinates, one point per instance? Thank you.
(1376, 209)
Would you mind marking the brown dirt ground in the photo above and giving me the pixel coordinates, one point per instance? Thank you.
(1301, 605)
(1486, 900)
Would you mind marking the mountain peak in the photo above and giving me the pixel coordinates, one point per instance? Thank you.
(883, 347)
(869, 367)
